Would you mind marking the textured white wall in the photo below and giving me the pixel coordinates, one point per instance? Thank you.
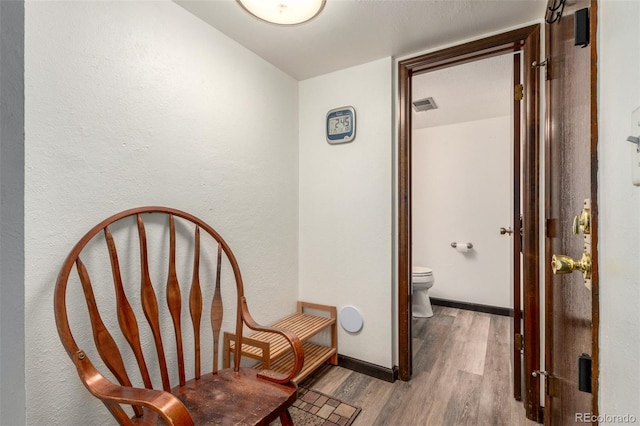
(141, 103)
(346, 205)
(462, 191)
(619, 203)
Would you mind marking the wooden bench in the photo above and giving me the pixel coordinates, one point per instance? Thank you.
(273, 351)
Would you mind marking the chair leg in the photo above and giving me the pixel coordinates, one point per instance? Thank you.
(285, 418)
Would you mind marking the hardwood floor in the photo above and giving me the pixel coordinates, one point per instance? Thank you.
(461, 376)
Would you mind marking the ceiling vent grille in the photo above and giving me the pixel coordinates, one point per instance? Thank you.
(424, 104)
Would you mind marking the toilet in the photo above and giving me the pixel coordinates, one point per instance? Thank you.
(421, 281)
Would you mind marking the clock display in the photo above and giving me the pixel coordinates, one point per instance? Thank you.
(338, 125)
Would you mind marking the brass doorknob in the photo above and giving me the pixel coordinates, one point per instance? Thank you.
(561, 264)
(506, 231)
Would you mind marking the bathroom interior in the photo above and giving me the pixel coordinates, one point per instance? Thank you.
(462, 232)
(471, 120)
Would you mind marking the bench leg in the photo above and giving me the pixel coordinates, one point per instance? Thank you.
(285, 418)
(334, 343)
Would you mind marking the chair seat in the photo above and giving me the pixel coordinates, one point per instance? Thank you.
(230, 398)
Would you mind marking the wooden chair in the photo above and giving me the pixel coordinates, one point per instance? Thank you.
(115, 305)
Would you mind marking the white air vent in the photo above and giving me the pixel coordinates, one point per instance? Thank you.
(424, 104)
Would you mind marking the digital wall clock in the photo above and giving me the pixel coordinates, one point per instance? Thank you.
(341, 125)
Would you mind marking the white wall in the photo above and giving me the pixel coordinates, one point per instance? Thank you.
(141, 103)
(346, 204)
(462, 192)
(619, 203)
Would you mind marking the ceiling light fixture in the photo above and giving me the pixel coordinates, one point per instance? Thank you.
(283, 12)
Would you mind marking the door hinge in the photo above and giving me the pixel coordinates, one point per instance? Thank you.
(519, 341)
(521, 235)
(518, 92)
(550, 382)
(550, 228)
(546, 64)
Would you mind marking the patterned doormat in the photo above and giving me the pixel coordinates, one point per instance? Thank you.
(313, 408)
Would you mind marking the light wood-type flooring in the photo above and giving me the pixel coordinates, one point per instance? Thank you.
(461, 376)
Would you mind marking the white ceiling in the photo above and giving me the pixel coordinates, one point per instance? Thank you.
(467, 92)
(353, 32)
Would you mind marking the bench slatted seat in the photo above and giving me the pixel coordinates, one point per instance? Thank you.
(273, 351)
(315, 356)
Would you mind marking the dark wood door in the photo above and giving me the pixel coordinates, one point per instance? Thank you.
(571, 309)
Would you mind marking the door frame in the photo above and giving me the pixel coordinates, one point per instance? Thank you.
(526, 40)
(516, 322)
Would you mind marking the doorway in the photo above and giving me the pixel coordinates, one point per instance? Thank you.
(463, 182)
(526, 41)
